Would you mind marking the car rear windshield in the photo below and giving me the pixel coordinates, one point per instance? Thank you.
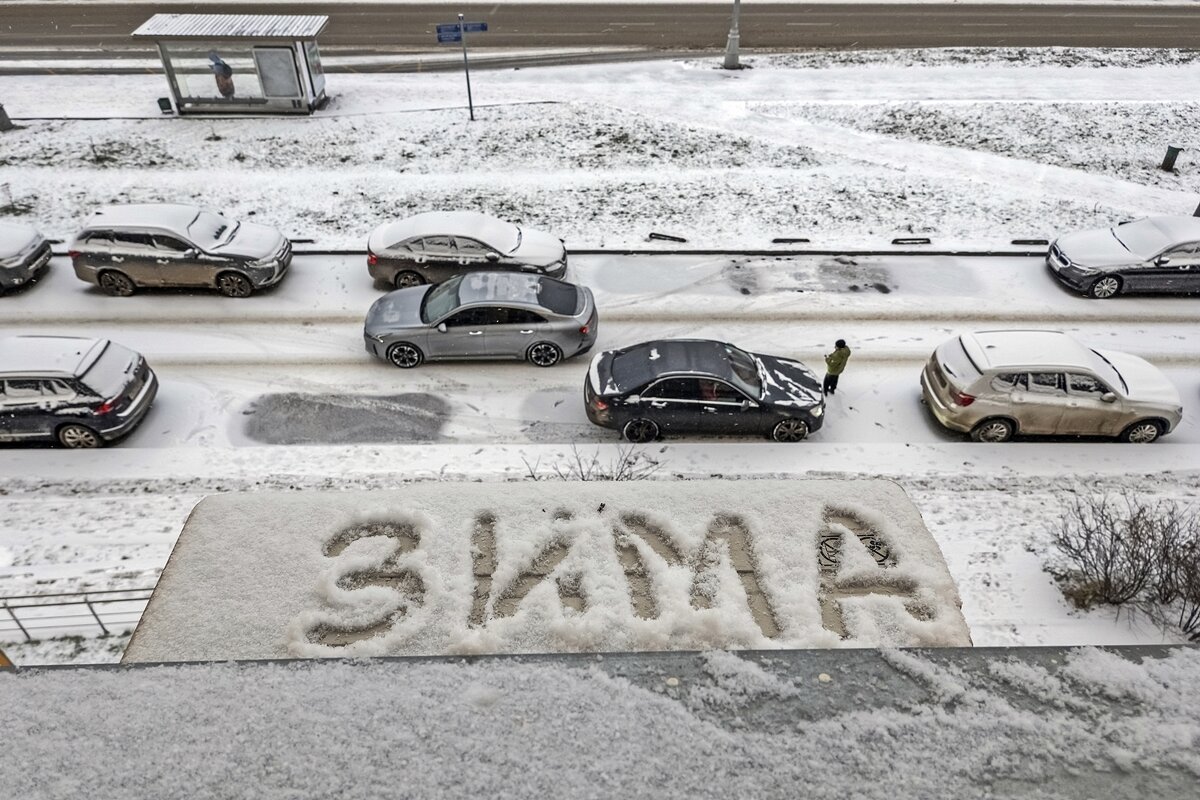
(559, 297)
(109, 374)
(957, 364)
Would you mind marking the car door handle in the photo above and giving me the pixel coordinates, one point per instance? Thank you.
(657, 404)
(527, 332)
(118, 259)
(708, 409)
(474, 333)
(162, 261)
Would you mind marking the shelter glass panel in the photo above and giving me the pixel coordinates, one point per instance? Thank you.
(227, 73)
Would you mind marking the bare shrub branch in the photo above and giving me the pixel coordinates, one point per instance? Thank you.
(630, 464)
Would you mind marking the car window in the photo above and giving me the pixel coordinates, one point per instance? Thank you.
(438, 245)
(169, 243)
(523, 316)
(1185, 251)
(412, 245)
(18, 390)
(494, 315)
(56, 388)
(1007, 381)
(98, 239)
(468, 317)
(1046, 383)
(719, 392)
(1085, 384)
(675, 389)
(133, 241)
(470, 247)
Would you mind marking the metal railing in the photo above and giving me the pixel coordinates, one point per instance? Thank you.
(23, 616)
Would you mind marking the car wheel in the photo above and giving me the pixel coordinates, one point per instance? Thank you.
(993, 431)
(234, 284)
(1104, 287)
(545, 354)
(1143, 432)
(407, 279)
(405, 355)
(640, 431)
(790, 430)
(79, 437)
(117, 284)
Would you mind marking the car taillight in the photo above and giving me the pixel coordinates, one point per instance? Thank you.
(73, 254)
(599, 404)
(105, 407)
(372, 259)
(585, 329)
(963, 399)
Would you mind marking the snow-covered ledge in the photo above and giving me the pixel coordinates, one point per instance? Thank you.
(435, 569)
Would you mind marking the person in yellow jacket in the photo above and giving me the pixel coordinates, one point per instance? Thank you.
(835, 364)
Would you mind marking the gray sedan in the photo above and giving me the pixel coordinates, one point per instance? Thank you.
(500, 315)
(1153, 254)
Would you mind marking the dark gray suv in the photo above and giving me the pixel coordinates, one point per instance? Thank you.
(24, 253)
(78, 392)
(122, 248)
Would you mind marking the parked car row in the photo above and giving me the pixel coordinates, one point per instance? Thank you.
(124, 248)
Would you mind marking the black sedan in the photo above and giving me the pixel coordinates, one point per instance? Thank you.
(701, 386)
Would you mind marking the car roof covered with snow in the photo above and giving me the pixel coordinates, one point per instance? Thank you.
(173, 217)
(489, 230)
(16, 237)
(48, 355)
(1018, 348)
(638, 365)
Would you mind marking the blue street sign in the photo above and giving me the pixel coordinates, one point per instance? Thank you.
(453, 33)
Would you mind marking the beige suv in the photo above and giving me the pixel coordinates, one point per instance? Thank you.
(996, 384)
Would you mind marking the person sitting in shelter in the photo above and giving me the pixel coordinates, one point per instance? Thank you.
(223, 74)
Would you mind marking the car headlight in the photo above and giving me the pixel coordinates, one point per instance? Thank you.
(374, 337)
(10, 262)
(817, 411)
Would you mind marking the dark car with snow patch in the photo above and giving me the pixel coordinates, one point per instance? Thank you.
(1153, 254)
(701, 386)
(24, 254)
(78, 392)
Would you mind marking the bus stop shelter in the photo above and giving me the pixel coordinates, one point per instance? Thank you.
(231, 63)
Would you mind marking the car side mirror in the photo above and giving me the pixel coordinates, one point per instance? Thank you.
(493, 257)
(1162, 261)
(1108, 397)
(633, 399)
(442, 327)
(191, 252)
(746, 405)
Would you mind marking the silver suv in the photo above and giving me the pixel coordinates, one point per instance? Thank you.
(996, 384)
(78, 392)
(122, 248)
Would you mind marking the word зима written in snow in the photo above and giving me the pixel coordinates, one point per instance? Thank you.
(544, 567)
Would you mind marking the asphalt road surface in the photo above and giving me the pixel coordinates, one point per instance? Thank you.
(382, 27)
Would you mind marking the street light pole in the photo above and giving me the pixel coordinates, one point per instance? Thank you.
(731, 45)
(462, 32)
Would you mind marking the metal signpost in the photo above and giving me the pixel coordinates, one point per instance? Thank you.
(457, 32)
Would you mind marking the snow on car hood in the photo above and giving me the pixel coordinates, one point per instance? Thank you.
(787, 382)
(251, 241)
(398, 309)
(538, 248)
(1096, 248)
(17, 238)
(1147, 383)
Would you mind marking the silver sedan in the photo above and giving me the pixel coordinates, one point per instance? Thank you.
(501, 315)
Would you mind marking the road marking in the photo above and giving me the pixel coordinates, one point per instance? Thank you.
(94, 25)
(809, 24)
(1152, 26)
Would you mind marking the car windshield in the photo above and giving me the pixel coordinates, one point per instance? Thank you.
(108, 374)
(745, 371)
(1142, 238)
(208, 227)
(1113, 370)
(441, 300)
(503, 237)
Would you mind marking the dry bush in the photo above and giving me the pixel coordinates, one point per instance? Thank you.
(1125, 550)
(630, 464)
